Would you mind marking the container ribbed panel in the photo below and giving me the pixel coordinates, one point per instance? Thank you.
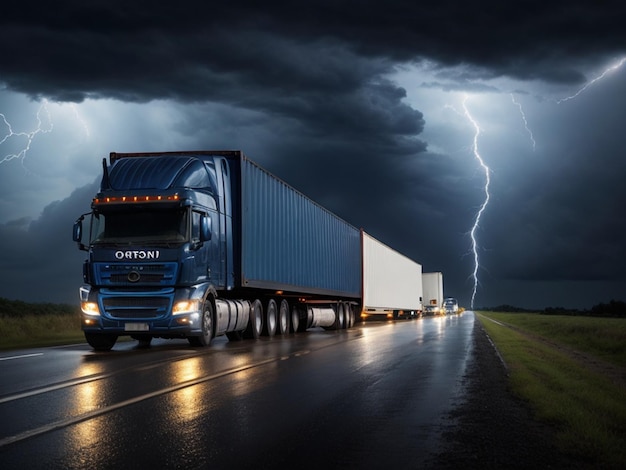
(290, 242)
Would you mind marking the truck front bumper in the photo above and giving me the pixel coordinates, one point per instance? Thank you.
(162, 312)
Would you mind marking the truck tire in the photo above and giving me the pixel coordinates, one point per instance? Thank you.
(340, 317)
(271, 318)
(295, 319)
(101, 342)
(349, 315)
(283, 318)
(255, 322)
(207, 326)
(143, 341)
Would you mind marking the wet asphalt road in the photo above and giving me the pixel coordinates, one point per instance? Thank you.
(375, 396)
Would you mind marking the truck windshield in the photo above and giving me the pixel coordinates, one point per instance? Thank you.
(147, 226)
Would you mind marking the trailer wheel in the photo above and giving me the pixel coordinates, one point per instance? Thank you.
(340, 321)
(349, 315)
(255, 323)
(283, 318)
(295, 319)
(101, 342)
(207, 326)
(271, 314)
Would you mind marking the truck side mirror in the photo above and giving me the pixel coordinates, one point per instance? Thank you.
(205, 228)
(77, 233)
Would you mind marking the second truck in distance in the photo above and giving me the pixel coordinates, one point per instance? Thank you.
(433, 293)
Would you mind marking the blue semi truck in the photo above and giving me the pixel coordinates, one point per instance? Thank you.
(206, 243)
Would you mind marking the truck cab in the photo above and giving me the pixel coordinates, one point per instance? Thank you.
(450, 306)
(158, 244)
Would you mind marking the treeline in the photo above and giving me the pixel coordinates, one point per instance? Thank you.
(18, 308)
(614, 308)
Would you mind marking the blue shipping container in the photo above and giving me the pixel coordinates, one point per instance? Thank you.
(291, 243)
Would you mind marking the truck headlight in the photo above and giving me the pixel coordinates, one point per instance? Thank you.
(90, 308)
(186, 306)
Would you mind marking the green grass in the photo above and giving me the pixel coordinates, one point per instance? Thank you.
(605, 338)
(587, 407)
(36, 330)
(26, 325)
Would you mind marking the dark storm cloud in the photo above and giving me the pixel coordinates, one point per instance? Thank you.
(41, 265)
(308, 79)
(141, 55)
(200, 51)
(320, 63)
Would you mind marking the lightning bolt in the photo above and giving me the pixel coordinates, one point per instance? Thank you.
(29, 136)
(80, 119)
(483, 206)
(20, 142)
(608, 70)
(475, 149)
(521, 110)
(487, 171)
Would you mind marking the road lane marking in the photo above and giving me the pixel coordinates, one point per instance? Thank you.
(95, 413)
(51, 388)
(131, 401)
(80, 381)
(22, 356)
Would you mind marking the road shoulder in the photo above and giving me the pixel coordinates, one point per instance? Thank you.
(491, 428)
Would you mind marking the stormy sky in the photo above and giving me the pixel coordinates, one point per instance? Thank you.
(370, 108)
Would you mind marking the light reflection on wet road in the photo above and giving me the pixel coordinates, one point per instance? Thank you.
(370, 397)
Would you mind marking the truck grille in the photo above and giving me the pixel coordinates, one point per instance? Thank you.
(127, 275)
(122, 279)
(136, 307)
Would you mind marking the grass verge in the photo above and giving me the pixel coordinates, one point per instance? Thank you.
(604, 338)
(587, 407)
(36, 330)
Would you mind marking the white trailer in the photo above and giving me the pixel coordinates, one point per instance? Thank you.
(433, 293)
(392, 283)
